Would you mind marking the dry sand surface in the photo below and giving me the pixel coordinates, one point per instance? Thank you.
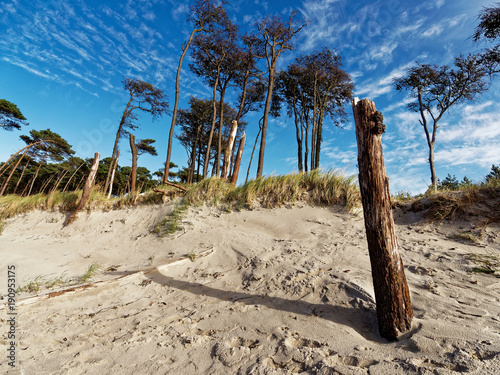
(274, 291)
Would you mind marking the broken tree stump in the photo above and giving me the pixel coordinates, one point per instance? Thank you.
(86, 190)
(394, 309)
(237, 162)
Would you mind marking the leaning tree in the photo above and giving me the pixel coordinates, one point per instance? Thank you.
(43, 145)
(143, 97)
(434, 89)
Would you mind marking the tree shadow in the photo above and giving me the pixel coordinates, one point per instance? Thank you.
(359, 317)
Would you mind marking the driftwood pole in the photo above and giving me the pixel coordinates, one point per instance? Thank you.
(237, 162)
(114, 166)
(229, 149)
(394, 310)
(86, 189)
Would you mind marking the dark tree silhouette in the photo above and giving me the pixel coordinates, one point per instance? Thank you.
(44, 145)
(437, 88)
(195, 125)
(144, 146)
(142, 97)
(488, 29)
(10, 116)
(315, 86)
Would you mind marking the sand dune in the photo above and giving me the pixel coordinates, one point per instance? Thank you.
(278, 291)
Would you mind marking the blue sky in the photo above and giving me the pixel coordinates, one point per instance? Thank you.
(62, 63)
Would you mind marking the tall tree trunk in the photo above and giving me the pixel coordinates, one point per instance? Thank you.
(22, 174)
(433, 169)
(113, 167)
(3, 167)
(314, 132)
(237, 162)
(73, 175)
(243, 94)
(34, 178)
(176, 104)
(86, 190)
(133, 172)
(319, 139)
(114, 155)
(214, 117)
(299, 135)
(58, 182)
(11, 174)
(221, 123)
(46, 183)
(253, 150)
(229, 149)
(394, 309)
(190, 178)
(199, 162)
(260, 167)
(306, 153)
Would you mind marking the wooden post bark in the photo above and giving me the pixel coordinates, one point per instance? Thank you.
(86, 190)
(394, 309)
(237, 162)
(229, 149)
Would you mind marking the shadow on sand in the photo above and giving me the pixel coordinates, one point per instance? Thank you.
(360, 318)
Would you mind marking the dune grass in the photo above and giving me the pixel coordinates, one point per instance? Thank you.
(13, 205)
(482, 200)
(320, 188)
(39, 282)
(487, 264)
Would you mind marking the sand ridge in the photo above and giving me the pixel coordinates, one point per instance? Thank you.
(281, 291)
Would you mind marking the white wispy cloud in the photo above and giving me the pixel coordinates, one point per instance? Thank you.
(179, 11)
(324, 23)
(28, 68)
(337, 155)
(433, 31)
(383, 52)
(484, 155)
(479, 123)
(382, 85)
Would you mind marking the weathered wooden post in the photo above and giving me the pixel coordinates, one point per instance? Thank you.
(237, 162)
(86, 189)
(394, 310)
(114, 166)
(229, 149)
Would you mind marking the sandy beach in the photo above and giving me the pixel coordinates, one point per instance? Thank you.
(263, 291)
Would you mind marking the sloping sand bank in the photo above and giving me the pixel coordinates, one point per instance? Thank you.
(276, 291)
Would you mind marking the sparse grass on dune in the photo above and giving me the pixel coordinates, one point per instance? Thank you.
(480, 201)
(40, 283)
(318, 188)
(12, 205)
